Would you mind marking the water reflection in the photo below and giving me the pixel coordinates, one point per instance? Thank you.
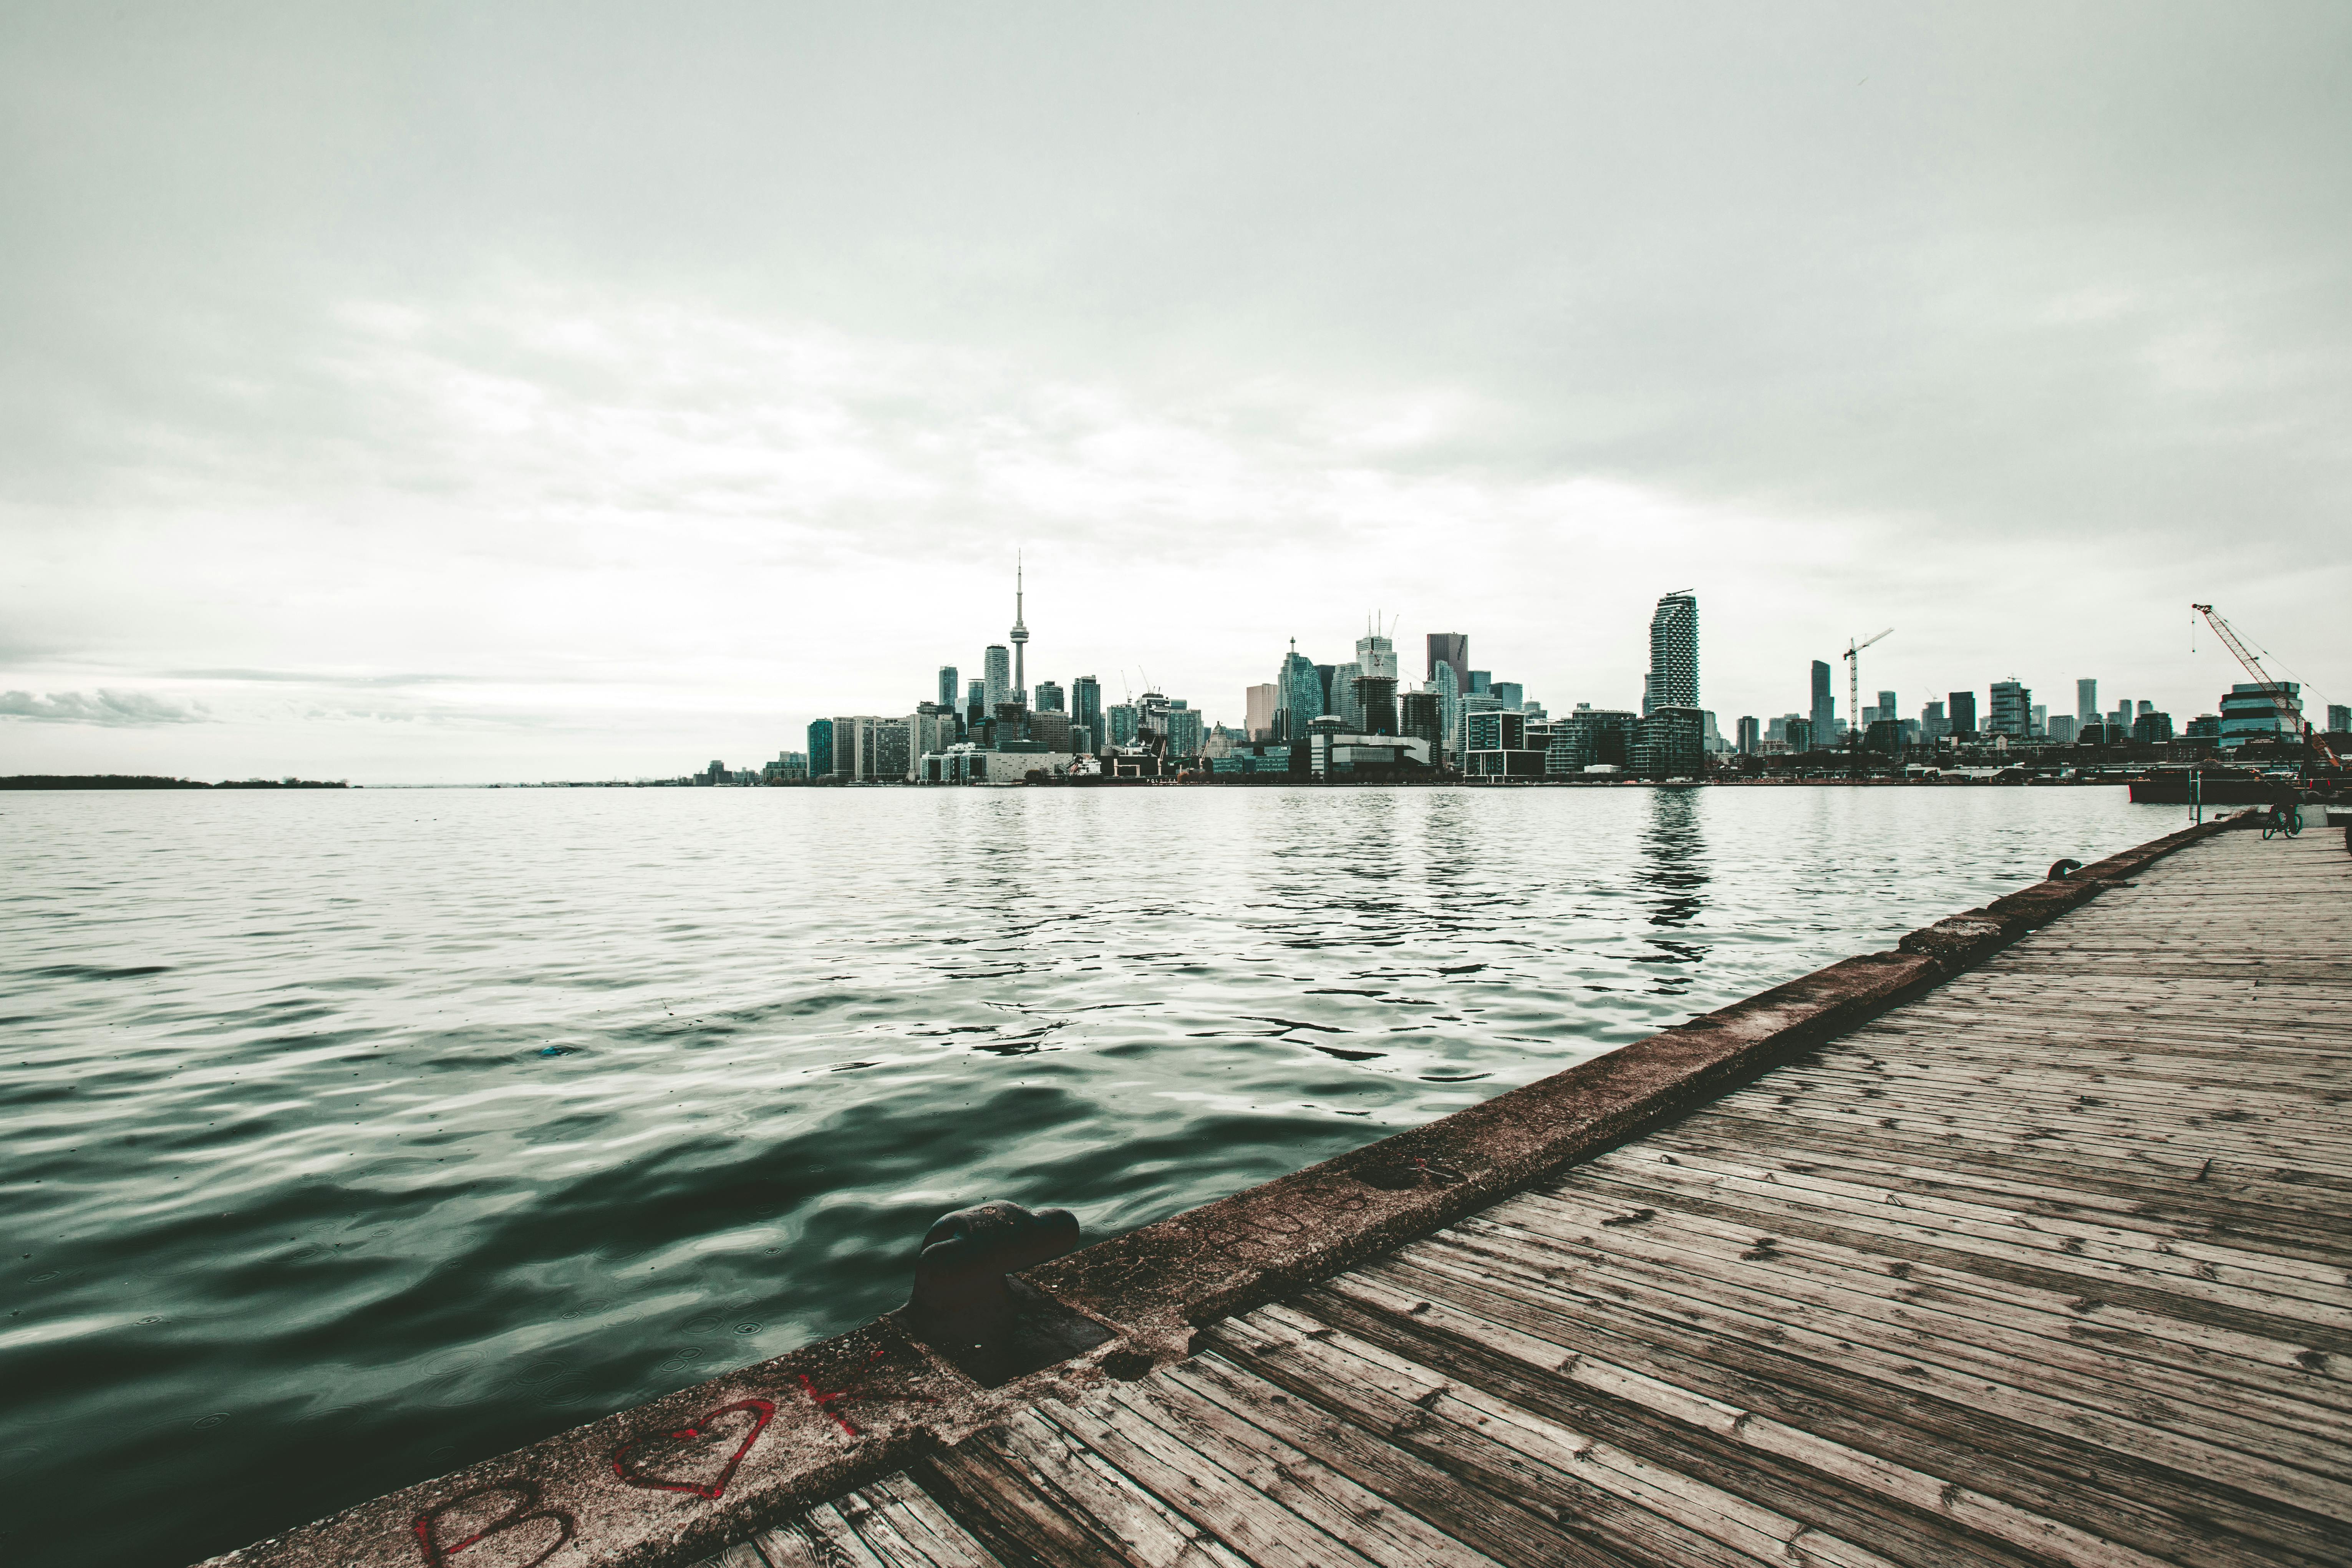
(1674, 879)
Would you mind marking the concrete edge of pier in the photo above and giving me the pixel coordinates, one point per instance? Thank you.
(837, 1414)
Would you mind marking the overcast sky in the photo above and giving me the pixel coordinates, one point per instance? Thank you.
(415, 393)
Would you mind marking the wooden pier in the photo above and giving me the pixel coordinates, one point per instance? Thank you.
(2048, 1264)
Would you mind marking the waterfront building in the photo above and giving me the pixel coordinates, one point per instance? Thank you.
(975, 703)
(2011, 709)
(1298, 692)
(1324, 673)
(1451, 650)
(2062, 728)
(1883, 735)
(1011, 725)
(1670, 742)
(1964, 712)
(1049, 698)
(1449, 690)
(1124, 720)
(1673, 680)
(2152, 729)
(2086, 703)
(1257, 709)
(949, 687)
(1086, 706)
(1421, 714)
(1376, 704)
(820, 748)
(1825, 714)
(1186, 737)
(1800, 734)
(1346, 701)
(1050, 728)
(1710, 736)
(2252, 712)
(1509, 693)
(2340, 717)
(1334, 751)
(1778, 729)
(1497, 729)
(1084, 742)
(869, 748)
(1020, 638)
(933, 728)
(2205, 727)
(1933, 725)
(1588, 737)
(1751, 742)
(2041, 721)
(996, 665)
(968, 764)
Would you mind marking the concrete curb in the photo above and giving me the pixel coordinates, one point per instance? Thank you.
(786, 1433)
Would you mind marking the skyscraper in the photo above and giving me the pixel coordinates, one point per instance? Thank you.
(2086, 702)
(1673, 654)
(820, 752)
(1454, 649)
(1020, 637)
(997, 665)
(1825, 714)
(1086, 706)
(1049, 697)
(975, 703)
(2011, 709)
(947, 698)
(1964, 710)
(1371, 705)
(1257, 710)
(1297, 696)
(1751, 740)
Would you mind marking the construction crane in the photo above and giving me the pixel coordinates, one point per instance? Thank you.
(1853, 657)
(2289, 711)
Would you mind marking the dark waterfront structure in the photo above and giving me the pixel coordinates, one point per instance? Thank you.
(1421, 716)
(1750, 735)
(1670, 744)
(820, 748)
(1825, 711)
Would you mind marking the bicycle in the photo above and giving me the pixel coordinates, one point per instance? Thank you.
(2286, 817)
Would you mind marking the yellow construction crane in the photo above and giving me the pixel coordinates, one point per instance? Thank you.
(2290, 713)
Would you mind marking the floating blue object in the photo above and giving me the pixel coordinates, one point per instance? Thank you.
(559, 1050)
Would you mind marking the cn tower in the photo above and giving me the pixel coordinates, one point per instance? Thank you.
(1020, 638)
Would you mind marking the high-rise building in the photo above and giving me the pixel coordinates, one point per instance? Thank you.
(947, 686)
(934, 728)
(1451, 648)
(1673, 680)
(1801, 733)
(1344, 700)
(1669, 743)
(2062, 728)
(1374, 704)
(1825, 714)
(1326, 673)
(871, 750)
(1511, 693)
(2252, 712)
(1449, 716)
(1297, 695)
(1049, 697)
(820, 752)
(1421, 715)
(2086, 703)
(1376, 655)
(2340, 717)
(1257, 710)
(1185, 731)
(996, 664)
(1479, 681)
(1751, 740)
(1886, 705)
(2011, 712)
(1124, 719)
(1020, 638)
(975, 703)
(1933, 725)
(1050, 729)
(1964, 710)
(1086, 706)
(2040, 725)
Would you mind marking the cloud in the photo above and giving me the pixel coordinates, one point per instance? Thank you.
(109, 707)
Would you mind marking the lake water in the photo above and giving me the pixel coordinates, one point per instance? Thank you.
(354, 1136)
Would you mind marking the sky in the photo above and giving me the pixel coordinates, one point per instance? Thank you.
(443, 393)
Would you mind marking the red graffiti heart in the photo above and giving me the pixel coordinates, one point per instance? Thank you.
(761, 1411)
(522, 1511)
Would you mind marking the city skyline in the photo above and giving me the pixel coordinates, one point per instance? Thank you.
(448, 412)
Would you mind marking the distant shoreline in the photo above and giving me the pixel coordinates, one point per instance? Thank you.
(151, 780)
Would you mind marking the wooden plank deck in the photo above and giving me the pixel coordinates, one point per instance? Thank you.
(2053, 1265)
